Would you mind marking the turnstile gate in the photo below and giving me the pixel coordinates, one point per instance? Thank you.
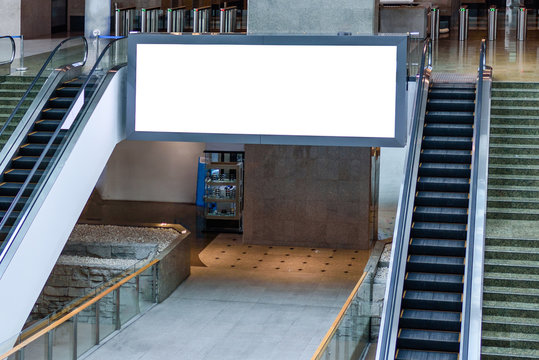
(228, 19)
(201, 19)
(177, 19)
(124, 20)
(149, 19)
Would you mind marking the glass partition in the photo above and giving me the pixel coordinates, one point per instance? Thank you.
(349, 337)
(87, 321)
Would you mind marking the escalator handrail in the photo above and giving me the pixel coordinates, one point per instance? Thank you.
(40, 72)
(12, 50)
(385, 344)
(470, 346)
(8, 242)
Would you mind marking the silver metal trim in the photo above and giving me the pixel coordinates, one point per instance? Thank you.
(387, 339)
(470, 346)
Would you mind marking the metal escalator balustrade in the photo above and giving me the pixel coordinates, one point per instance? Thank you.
(428, 302)
(30, 166)
(7, 53)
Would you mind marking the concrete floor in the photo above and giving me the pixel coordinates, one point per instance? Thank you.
(255, 310)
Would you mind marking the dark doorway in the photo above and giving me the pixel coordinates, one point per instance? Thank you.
(58, 16)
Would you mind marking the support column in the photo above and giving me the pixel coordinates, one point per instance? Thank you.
(97, 17)
(11, 17)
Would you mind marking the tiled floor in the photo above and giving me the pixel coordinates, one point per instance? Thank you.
(273, 311)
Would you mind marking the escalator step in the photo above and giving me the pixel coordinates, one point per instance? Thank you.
(5, 202)
(434, 282)
(12, 217)
(53, 114)
(446, 156)
(438, 264)
(403, 354)
(43, 137)
(440, 129)
(428, 340)
(442, 247)
(432, 300)
(439, 230)
(447, 142)
(441, 214)
(12, 188)
(46, 125)
(20, 175)
(28, 162)
(464, 94)
(425, 183)
(435, 198)
(459, 85)
(66, 91)
(454, 117)
(430, 320)
(450, 105)
(36, 149)
(60, 102)
(444, 170)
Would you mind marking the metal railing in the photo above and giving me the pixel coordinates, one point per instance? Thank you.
(7, 55)
(349, 335)
(88, 321)
(470, 346)
(390, 315)
(107, 60)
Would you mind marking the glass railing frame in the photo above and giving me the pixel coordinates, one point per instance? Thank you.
(10, 240)
(40, 72)
(96, 296)
(389, 320)
(13, 50)
(470, 346)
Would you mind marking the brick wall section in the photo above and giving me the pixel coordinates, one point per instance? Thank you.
(307, 196)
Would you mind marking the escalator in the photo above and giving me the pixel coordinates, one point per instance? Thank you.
(49, 167)
(30, 150)
(431, 308)
(432, 304)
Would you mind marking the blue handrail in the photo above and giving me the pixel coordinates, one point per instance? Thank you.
(40, 72)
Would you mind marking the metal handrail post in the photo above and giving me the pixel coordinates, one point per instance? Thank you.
(21, 60)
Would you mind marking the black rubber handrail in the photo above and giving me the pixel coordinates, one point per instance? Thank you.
(12, 49)
(9, 241)
(33, 83)
(387, 324)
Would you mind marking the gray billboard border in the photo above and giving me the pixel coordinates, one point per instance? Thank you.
(400, 41)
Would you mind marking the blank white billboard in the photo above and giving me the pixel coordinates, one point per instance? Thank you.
(298, 90)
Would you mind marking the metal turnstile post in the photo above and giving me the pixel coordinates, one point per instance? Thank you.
(463, 23)
(522, 23)
(492, 23)
(196, 25)
(434, 23)
(143, 24)
(117, 23)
